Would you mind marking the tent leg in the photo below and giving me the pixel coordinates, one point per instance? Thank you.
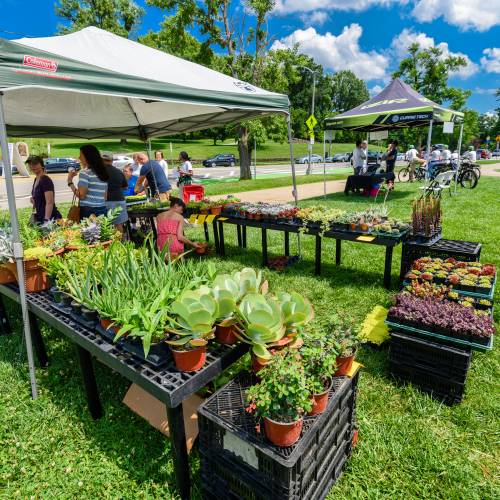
(324, 166)
(459, 151)
(294, 179)
(429, 139)
(18, 247)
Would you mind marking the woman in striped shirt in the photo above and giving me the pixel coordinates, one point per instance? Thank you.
(92, 182)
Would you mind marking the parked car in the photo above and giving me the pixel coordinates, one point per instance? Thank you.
(495, 153)
(482, 154)
(61, 164)
(374, 156)
(119, 161)
(339, 157)
(14, 169)
(220, 160)
(305, 159)
(401, 157)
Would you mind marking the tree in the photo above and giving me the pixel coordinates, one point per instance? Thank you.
(347, 91)
(118, 16)
(428, 72)
(223, 31)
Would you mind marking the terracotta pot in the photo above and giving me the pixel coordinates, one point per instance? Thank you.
(364, 227)
(191, 360)
(320, 401)
(258, 363)
(344, 365)
(106, 324)
(37, 280)
(282, 434)
(355, 436)
(216, 210)
(352, 226)
(6, 276)
(225, 335)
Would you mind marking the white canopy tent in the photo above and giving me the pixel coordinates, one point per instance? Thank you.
(92, 84)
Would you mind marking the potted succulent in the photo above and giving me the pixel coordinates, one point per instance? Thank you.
(192, 320)
(347, 346)
(319, 355)
(281, 398)
(6, 255)
(297, 311)
(224, 326)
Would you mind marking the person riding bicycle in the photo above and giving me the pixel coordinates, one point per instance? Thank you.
(470, 155)
(413, 161)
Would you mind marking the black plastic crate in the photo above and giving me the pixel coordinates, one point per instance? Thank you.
(451, 363)
(238, 462)
(445, 390)
(467, 251)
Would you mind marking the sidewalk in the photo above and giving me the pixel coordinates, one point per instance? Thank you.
(284, 194)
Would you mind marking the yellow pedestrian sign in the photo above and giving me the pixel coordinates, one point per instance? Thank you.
(498, 138)
(311, 122)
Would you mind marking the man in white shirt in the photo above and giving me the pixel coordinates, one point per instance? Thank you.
(446, 154)
(471, 154)
(414, 160)
(359, 157)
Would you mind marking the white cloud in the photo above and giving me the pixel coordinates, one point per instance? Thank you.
(285, 7)
(338, 52)
(482, 91)
(375, 90)
(317, 18)
(491, 60)
(401, 43)
(480, 15)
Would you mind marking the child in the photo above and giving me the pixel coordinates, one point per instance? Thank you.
(170, 228)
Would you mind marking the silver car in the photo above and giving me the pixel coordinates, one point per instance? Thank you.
(305, 159)
(119, 161)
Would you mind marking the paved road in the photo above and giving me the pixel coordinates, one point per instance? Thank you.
(22, 185)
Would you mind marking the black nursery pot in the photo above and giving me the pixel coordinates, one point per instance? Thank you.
(77, 307)
(66, 299)
(55, 293)
(89, 315)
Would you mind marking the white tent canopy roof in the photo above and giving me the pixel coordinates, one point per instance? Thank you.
(94, 84)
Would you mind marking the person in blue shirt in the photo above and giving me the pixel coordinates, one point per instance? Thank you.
(153, 174)
(128, 172)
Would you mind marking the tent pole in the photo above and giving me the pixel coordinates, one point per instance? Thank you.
(429, 138)
(18, 247)
(292, 163)
(459, 150)
(324, 165)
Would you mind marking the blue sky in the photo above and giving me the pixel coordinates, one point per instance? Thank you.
(367, 36)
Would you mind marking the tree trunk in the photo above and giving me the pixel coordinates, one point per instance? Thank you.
(123, 142)
(245, 167)
(215, 141)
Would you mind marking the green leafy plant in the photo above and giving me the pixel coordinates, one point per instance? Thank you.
(283, 393)
(297, 311)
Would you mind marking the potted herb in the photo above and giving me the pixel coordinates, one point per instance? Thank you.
(319, 355)
(281, 399)
(347, 347)
(192, 321)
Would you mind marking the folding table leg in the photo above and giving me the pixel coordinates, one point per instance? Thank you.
(264, 246)
(89, 382)
(388, 267)
(179, 450)
(4, 319)
(338, 252)
(205, 227)
(222, 246)
(244, 228)
(238, 232)
(317, 269)
(287, 243)
(216, 237)
(37, 339)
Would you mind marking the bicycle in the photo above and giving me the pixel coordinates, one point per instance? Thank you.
(418, 174)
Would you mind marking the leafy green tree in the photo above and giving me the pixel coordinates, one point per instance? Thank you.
(347, 91)
(428, 72)
(242, 45)
(118, 16)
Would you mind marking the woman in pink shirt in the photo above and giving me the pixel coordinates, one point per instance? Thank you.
(170, 229)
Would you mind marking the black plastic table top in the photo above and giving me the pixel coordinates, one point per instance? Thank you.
(456, 246)
(295, 228)
(167, 384)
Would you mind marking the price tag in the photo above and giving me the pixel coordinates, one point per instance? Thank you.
(222, 219)
(365, 238)
(210, 218)
(192, 219)
(201, 219)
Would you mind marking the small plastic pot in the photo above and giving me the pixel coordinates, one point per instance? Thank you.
(106, 324)
(77, 307)
(66, 299)
(225, 335)
(216, 210)
(258, 363)
(344, 365)
(191, 360)
(352, 226)
(320, 401)
(283, 434)
(89, 314)
(6, 276)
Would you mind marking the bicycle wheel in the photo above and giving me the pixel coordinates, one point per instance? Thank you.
(468, 179)
(404, 175)
(477, 170)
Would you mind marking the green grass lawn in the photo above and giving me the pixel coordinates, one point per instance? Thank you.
(199, 149)
(410, 446)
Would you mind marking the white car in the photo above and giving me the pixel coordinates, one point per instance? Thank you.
(495, 153)
(401, 157)
(119, 161)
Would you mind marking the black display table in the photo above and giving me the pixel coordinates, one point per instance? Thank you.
(339, 236)
(357, 182)
(167, 384)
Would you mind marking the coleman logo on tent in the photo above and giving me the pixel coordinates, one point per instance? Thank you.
(245, 86)
(385, 101)
(39, 63)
